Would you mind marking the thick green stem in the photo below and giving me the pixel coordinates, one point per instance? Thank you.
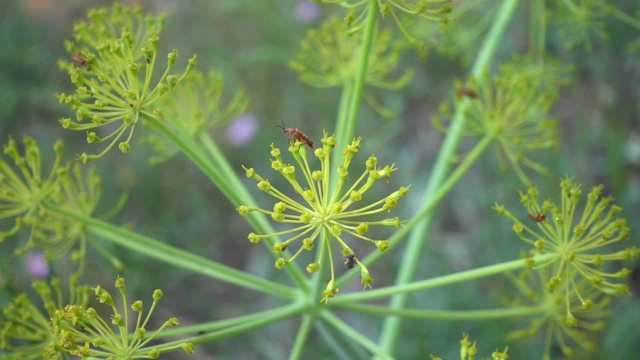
(345, 130)
(413, 252)
(440, 280)
(537, 30)
(175, 256)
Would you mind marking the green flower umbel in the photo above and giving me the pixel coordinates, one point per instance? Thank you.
(112, 65)
(581, 239)
(329, 57)
(27, 332)
(192, 109)
(512, 110)
(34, 200)
(83, 332)
(322, 213)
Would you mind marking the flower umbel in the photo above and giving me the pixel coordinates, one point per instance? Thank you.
(83, 332)
(512, 110)
(193, 108)
(120, 49)
(324, 213)
(34, 201)
(431, 10)
(565, 319)
(27, 332)
(577, 277)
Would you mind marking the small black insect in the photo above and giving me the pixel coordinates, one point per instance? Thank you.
(350, 261)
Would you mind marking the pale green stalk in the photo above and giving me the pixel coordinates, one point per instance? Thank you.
(415, 245)
(450, 315)
(171, 255)
(440, 281)
(353, 334)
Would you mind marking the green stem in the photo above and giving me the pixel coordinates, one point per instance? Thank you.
(346, 131)
(454, 315)
(272, 316)
(352, 333)
(220, 179)
(175, 256)
(537, 30)
(440, 281)
(211, 326)
(302, 336)
(413, 251)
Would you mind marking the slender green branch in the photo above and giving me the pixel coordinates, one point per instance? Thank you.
(175, 256)
(301, 337)
(537, 29)
(413, 251)
(440, 280)
(272, 316)
(352, 333)
(453, 315)
(213, 325)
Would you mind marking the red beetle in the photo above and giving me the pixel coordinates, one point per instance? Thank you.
(297, 134)
(79, 60)
(537, 218)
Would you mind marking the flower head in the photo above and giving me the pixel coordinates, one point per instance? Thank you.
(192, 109)
(431, 10)
(321, 214)
(114, 59)
(81, 331)
(512, 110)
(564, 318)
(581, 239)
(26, 331)
(330, 55)
(34, 200)
(578, 21)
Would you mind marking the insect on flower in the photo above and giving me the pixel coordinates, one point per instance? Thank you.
(79, 60)
(350, 261)
(466, 92)
(297, 134)
(537, 218)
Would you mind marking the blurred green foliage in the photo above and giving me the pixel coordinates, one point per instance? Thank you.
(251, 43)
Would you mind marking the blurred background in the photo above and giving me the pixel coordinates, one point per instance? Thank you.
(251, 43)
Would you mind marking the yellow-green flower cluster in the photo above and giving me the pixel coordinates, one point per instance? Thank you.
(27, 332)
(194, 107)
(329, 58)
(512, 109)
(564, 319)
(576, 283)
(114, 58)
(324, 213)
(83, 332)
(579, 20)
(431, 10)
(33, 200)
